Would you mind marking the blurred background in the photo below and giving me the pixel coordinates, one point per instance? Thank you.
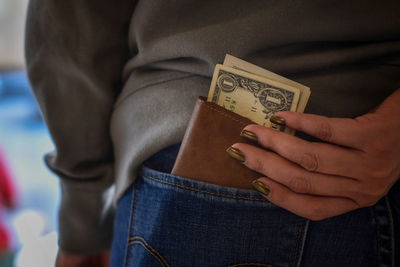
(29, 193)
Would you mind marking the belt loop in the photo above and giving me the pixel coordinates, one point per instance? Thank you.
(301, 249)
(385, 233)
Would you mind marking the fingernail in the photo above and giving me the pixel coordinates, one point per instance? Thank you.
(236, 154)
(249, 135)
(277, 120)
(261, 187)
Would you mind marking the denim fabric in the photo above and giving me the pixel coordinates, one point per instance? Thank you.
(165, 220)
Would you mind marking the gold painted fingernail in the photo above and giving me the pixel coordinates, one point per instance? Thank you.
(277, 120)
(249, 135)
(236, 154)
(261, 187)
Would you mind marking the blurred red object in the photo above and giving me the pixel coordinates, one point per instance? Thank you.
(7, 200)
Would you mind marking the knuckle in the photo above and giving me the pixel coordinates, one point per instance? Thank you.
(324, 131)
(258, 165)
(309, 161)
(300, 184)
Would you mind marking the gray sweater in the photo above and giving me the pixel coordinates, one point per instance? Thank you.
(116, 81)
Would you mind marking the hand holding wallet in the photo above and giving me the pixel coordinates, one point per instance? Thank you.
(212, 128)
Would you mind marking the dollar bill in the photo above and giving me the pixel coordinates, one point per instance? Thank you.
(240, 64)
(250, 95)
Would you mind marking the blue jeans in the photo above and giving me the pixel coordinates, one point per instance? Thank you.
(166, 220)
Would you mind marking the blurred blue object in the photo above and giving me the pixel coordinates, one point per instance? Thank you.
(16, 99)
(14, 83)
(25, 139)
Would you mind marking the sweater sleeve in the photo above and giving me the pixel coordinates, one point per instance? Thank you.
(75, 52)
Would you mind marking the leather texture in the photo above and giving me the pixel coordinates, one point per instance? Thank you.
(202, 156)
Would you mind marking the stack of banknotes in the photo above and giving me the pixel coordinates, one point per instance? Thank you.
(255, 93)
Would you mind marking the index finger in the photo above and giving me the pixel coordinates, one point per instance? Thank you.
(341, 131)
(312, 207)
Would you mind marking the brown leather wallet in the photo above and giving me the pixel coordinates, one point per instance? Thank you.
(202, 156)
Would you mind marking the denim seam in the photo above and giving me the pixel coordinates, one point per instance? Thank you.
(205, 191)
(303, 242)
(133, 208)
(141, 241)
(391, 229)
(378, 238)
(384, 232)
(148, 250)
(296, 241)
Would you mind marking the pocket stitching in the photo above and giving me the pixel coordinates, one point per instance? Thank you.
(205, 191)
(141, 241)
(131, 222)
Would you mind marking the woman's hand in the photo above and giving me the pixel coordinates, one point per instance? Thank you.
(65, 259)
(355, 168)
